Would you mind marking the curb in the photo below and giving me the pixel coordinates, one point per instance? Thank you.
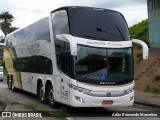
(147, 103)
(7, 106)
(6, 103)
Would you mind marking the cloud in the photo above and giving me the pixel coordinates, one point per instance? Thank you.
(135, 14)
(28, 11)
(4, 5)
(129, 3)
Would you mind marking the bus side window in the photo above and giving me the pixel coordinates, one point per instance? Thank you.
(66, 63)
(44, 65)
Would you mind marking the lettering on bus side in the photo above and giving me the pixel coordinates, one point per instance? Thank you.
(102, 43)
(96, 43)
(115, 44)
(33, 49)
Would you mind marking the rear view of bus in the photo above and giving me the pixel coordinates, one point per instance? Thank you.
(94, 57)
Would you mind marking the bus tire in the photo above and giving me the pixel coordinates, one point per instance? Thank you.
(50, 98)
(10, 84)
(8, 81)
(41, 94)
(13, 88)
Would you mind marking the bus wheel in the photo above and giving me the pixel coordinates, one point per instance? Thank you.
(8, 81)
(50, 98)
(41, 93)
(12, 86)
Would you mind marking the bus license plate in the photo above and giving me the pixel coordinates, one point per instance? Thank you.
(106, 102)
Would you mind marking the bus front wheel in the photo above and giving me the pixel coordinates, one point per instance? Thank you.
(50, 98)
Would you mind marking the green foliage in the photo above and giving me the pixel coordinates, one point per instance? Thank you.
(35, 107)
(6, 23)
(140, 31)
(157, 78)
(147, 87)
(31, 106)
(12, 29)
(156, 91)
(1, 62)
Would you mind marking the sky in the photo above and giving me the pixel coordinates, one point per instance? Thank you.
(26, 12)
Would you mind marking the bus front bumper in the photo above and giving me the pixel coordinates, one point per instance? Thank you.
(83, 100)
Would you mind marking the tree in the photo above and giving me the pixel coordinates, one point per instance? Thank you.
(12, 29)
(5, 22)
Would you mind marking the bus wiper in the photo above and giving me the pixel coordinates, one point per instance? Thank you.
(119, 32)
(100, 30)
(87, 36)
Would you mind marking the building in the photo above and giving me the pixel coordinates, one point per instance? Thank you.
(154, 22)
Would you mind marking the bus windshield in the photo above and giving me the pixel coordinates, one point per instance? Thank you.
(98, 24)
(103, 66)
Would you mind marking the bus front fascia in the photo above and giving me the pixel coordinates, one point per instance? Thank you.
(101, 44)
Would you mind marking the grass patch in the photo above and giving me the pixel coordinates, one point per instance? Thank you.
(139, 59)
(155, 90)
(31, 106)
(147, 88)
(139, 55)
(45, 112)
(157, 78)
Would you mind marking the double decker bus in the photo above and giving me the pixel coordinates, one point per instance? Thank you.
(78, 56)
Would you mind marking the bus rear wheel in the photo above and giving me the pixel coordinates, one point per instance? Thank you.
(11, 85)
(50, 98)
(41, 93)
(8, 81)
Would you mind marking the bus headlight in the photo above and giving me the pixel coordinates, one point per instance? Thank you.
(79, 89)
(129, 90)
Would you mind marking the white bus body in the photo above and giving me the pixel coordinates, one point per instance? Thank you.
(79, 56)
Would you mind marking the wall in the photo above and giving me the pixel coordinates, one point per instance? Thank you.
(154, 22)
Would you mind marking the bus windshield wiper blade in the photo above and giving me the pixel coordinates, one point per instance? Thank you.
(100, 30)
(87, 36)
(119, 32)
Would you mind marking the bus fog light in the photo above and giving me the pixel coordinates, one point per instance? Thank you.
(79, 99)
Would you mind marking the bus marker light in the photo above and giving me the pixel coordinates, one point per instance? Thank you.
(105, 102)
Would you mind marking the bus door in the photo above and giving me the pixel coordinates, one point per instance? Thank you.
(63, 63)
(64, 90)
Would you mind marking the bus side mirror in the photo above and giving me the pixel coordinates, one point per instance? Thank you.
(144, 46)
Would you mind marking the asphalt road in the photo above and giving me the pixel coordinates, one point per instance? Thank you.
(83, 113)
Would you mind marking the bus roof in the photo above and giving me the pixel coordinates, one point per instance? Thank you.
(82, 7)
